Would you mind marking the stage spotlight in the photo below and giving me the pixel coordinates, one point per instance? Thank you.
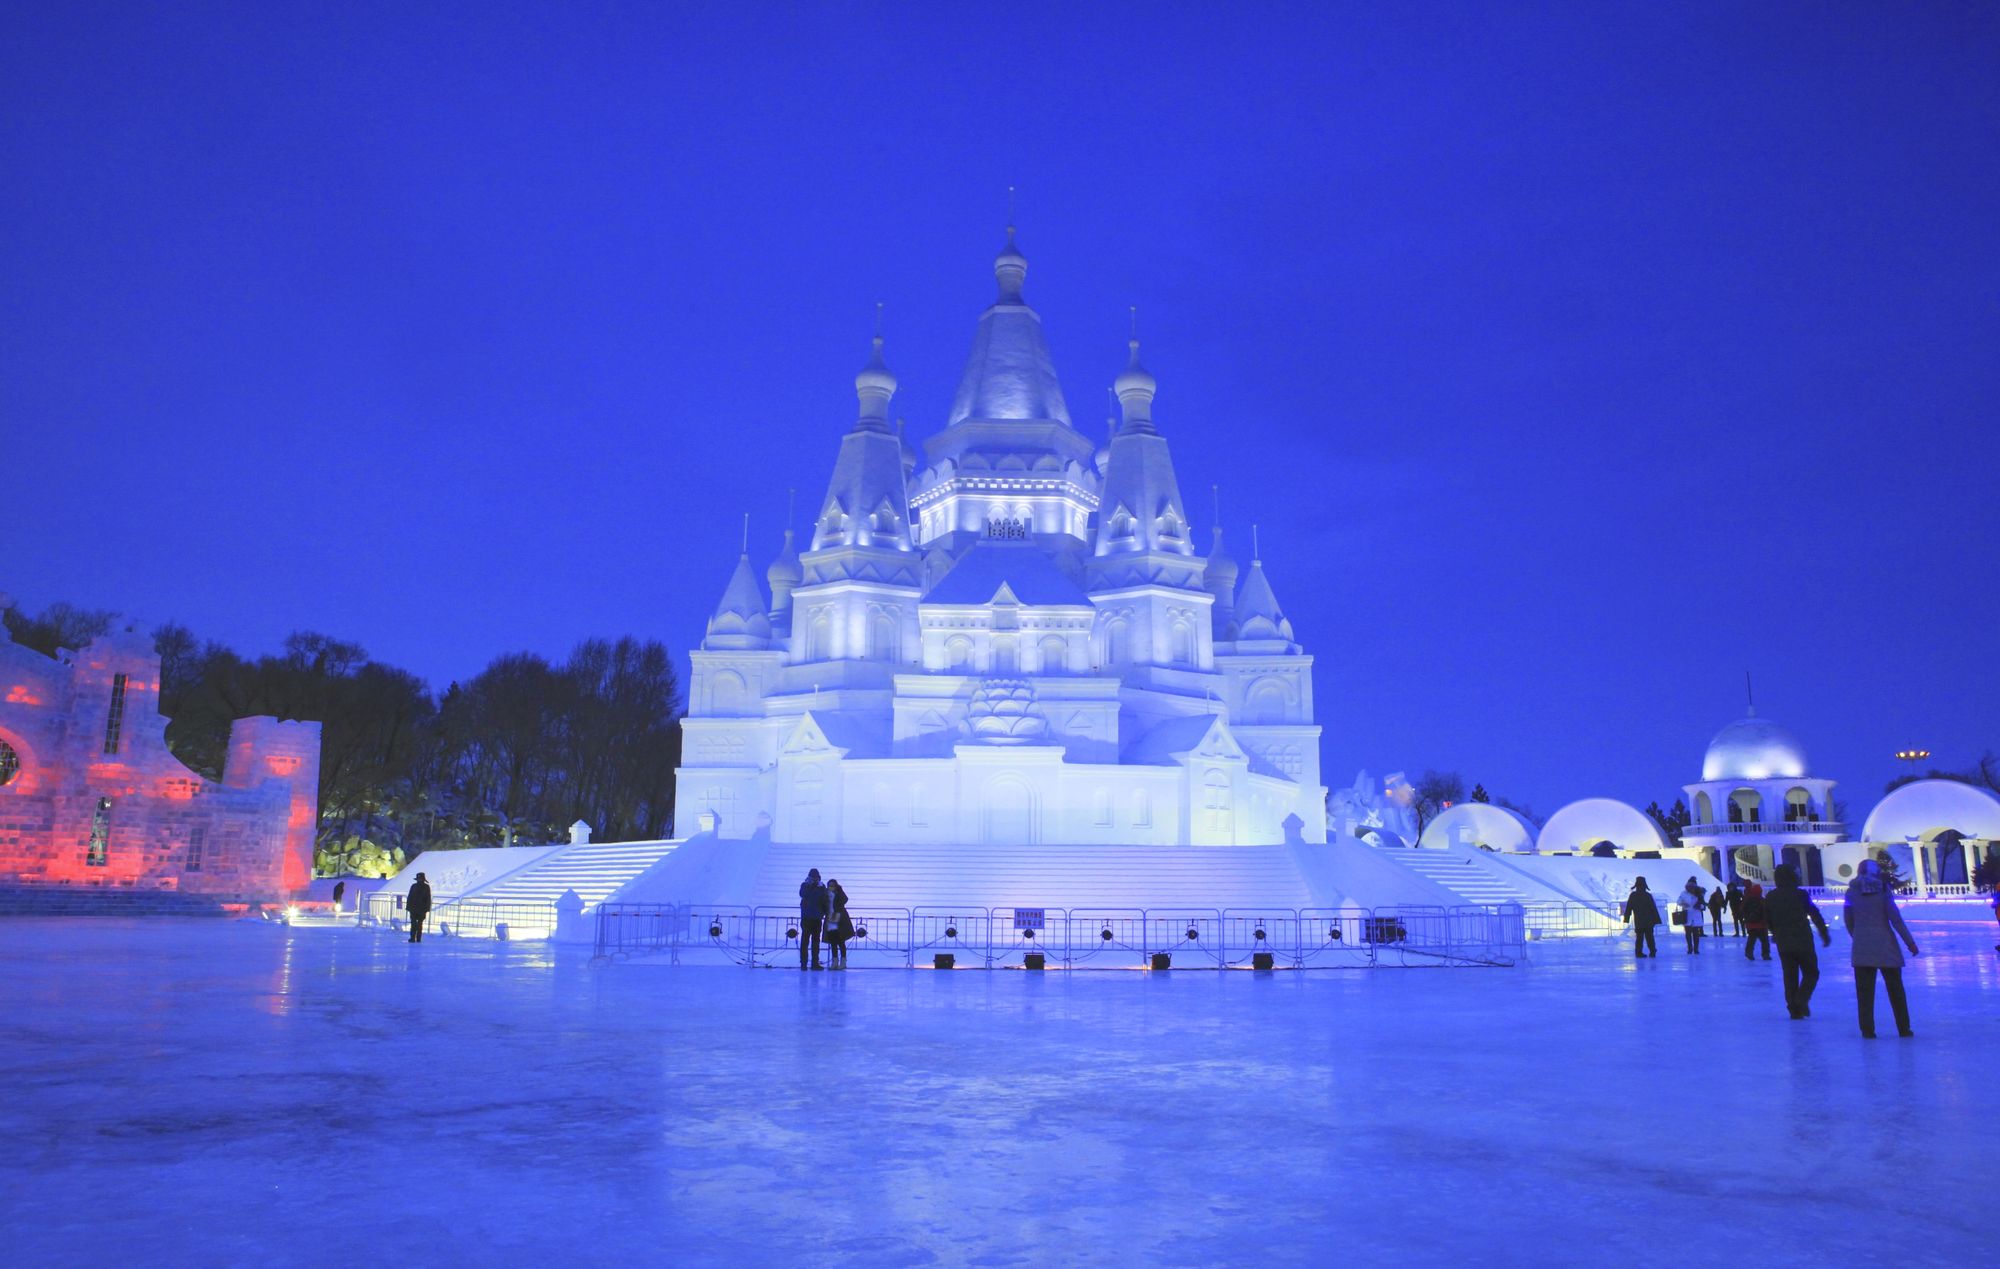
(951, 931)
(861, 931)
(791, 931)
(1333, 933)
(1259, 936)
(1028, 935)
(1106, 936)
(714, 930)
(1193, 934)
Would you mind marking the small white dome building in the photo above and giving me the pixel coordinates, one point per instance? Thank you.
(1578, 828)
(1479, 824)
(1947, 826)
(1758, 805)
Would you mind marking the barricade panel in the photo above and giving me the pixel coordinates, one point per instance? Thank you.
(1335, 938)
(1014, 934)
(1108, 938)
(1190, 937)
(1248, 931)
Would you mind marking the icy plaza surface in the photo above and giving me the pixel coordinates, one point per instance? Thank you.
(197, 1092)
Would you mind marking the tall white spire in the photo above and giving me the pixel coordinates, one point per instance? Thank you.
(867, 503)
(1009, 374)
(1141, 509)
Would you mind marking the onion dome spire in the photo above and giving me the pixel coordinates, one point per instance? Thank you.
(874, 385)
(1010, 270)
(1135, 387)
(784, 575)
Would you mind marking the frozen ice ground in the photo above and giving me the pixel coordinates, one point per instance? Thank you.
(223, 1093)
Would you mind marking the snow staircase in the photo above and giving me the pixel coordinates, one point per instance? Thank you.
(593, 869)
(1053, 876)
(1460, 870)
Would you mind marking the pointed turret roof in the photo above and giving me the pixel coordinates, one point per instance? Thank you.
(740, 620)
(1009, 374)
(1257, 613)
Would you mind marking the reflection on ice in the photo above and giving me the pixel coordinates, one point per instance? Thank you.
(229, 1089)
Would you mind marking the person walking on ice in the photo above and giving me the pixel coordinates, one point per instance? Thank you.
(1875, 925)
(1717, 903)
(1643, 915)
(1791, 914)
(1752, 911)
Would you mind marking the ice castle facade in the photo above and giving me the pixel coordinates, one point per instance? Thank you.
(1006, 637)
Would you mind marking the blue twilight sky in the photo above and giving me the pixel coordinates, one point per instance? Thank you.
(1573, 358)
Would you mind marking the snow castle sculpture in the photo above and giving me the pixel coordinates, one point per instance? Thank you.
(1007, 636)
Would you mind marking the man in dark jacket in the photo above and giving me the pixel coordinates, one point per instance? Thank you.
(813, 906)
(1792, 916)
(1736, 907)
(418, 905)
(1642, 913)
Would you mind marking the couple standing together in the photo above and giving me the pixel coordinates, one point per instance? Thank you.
(823, 914)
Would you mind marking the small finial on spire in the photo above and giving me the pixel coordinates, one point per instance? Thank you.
(1256, 551)
(746, 535)
(1010, 210)
(1215, 501)
(1749, 697)
(878, 319)
(1135, 323)
(791, 504)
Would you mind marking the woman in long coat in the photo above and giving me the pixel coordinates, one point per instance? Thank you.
(1875, 925)
(839, 926)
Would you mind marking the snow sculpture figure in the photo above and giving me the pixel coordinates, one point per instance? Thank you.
(1362, 811)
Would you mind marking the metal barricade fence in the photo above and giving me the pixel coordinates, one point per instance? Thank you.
(488, 918)
(1404, 936)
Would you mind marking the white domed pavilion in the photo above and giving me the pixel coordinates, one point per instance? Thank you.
(1758, 805)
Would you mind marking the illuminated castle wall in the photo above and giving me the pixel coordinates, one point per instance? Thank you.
(91, 796)
(1010, 637)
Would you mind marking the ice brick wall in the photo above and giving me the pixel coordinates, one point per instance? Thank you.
(94, 798)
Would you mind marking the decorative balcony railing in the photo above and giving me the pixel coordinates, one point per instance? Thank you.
(1764, 828)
